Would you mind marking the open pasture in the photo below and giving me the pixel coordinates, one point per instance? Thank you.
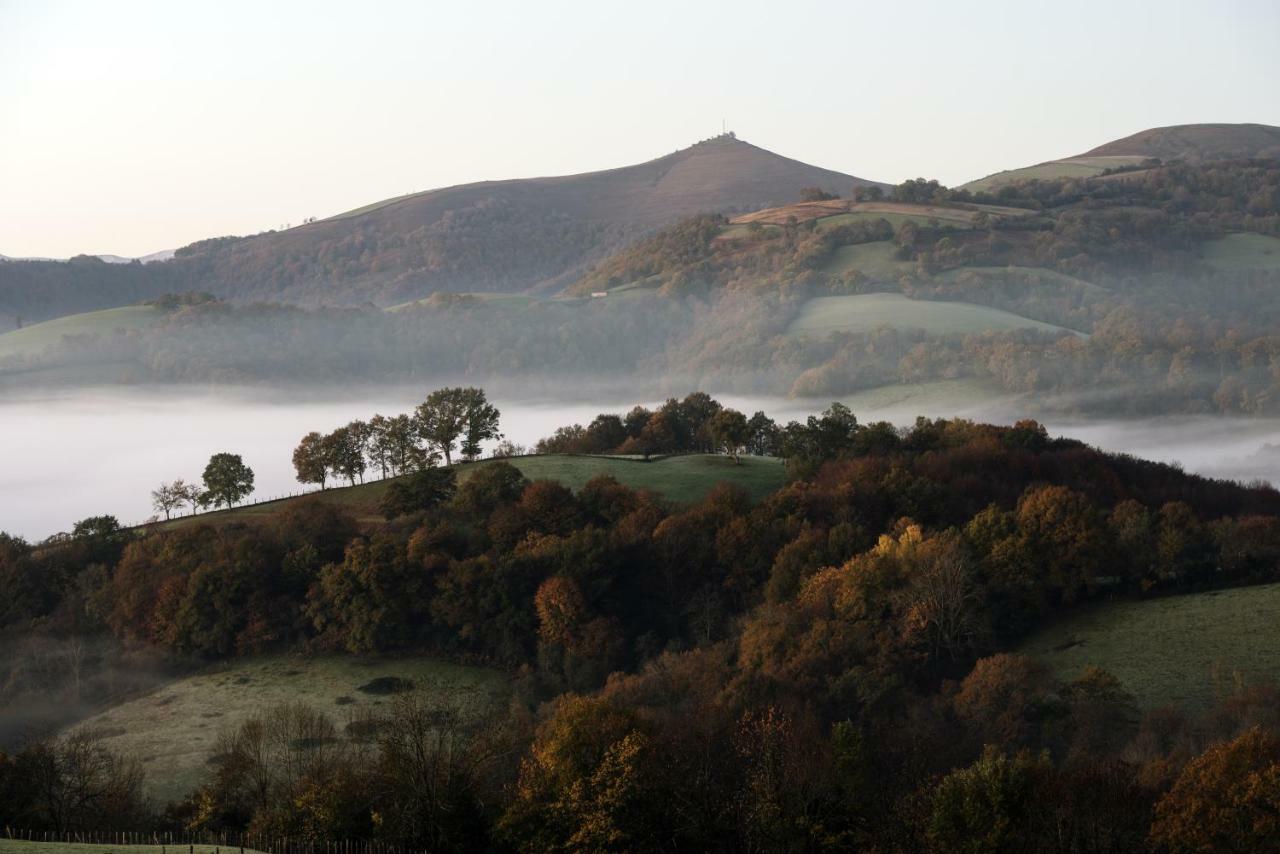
(867, 312)
(1070, 167)
(173, 730)
(33, 339)
(683, 479)
(1186, 651)
(1243, 251)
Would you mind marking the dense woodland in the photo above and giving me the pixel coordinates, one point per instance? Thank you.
(831, 668)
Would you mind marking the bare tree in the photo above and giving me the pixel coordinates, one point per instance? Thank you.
(165, 498)
(76, 783)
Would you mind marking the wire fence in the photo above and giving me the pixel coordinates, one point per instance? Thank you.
(208, 842)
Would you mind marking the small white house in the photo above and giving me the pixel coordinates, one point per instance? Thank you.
(599, 294)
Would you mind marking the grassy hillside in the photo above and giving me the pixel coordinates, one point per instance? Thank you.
(35, 338)
(1197, 142)
(1183, 650)
(1192, 143)
(682, 479)
(1244, 251)
(1073, 167)
(835, 212)
(866, 312)
(878, 260)
(173, 729)
(904, 401)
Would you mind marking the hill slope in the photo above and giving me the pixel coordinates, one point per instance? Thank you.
(1192, 143)
(1196, 143)
(1182, 650)
(509, 236)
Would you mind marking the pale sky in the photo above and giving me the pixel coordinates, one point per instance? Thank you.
(131, 127)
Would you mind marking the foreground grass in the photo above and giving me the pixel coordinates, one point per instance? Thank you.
(681, 479)
(1186, 651)
(173, 730)
(821, 316)
(20, 846)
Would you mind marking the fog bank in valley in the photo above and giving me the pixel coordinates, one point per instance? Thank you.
(76, 454)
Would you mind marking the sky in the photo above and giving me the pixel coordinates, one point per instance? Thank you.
(133, 127)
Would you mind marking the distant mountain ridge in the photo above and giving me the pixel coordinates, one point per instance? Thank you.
(511, 236)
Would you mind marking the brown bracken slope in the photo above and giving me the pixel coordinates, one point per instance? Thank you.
(1196, 143)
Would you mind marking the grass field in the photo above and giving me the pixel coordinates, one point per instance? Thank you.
(1182, 650)
(876, 260)
(1245, 251)
(837, 211)
(1033, 276)
(867, 312)
(1071, 167)
(894, 219)
(31, 340)
(682, 479)
(19, 846)
(504, 300)
(173, 729)
(902, 402)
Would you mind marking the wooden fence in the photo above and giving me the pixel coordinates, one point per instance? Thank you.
(222, 843)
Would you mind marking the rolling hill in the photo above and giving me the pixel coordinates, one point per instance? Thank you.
(1191, 143)
(682, 479)
(508, 236)
(1196, 143)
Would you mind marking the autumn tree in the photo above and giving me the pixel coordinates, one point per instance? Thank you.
(446, 415)
(1226, 799)
(585, 782)
(421, 490)
(227, 479)
(369, 600)
(730, 432)
(310, 460)
(343, 454)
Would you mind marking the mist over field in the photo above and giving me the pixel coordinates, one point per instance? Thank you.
(85, 453)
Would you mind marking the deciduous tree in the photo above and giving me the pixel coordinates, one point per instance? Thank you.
(227, 479)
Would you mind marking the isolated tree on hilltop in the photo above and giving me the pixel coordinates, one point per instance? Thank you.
(309, 460)
(227, 479)
(450, 413)
(730, 431)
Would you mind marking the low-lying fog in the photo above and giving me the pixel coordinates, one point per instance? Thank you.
(67, 456)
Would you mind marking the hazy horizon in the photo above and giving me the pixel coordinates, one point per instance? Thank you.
(142, 126)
